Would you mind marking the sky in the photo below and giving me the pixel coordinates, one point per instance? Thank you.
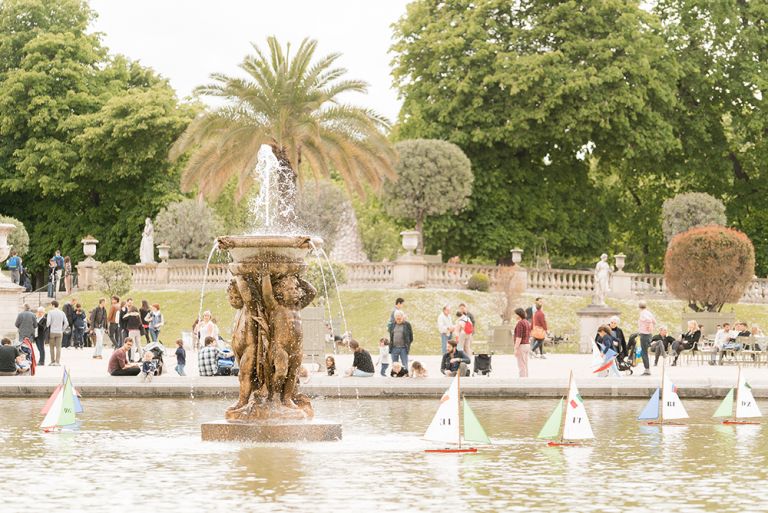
(187, 40)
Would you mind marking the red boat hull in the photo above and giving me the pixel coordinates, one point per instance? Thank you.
(440, 451)
(739, 422)
(563, 444)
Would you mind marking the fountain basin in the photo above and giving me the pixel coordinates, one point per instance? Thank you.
(268, 248)
(270, 432)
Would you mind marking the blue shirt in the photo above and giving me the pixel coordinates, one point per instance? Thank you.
(59, 261)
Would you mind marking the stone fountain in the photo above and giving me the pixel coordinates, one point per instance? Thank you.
(268, 292)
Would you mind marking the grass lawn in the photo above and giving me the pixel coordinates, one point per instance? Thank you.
(367, 312)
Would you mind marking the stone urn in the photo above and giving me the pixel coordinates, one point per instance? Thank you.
(517, 255)
(89, 246)
(163, 251)
(410, 241)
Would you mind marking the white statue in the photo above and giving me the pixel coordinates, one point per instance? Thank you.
(602, 279)
(147, 249)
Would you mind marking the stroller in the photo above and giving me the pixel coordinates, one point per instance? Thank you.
(28, 350)
(482, 365)
(226, 362)
(158, 350)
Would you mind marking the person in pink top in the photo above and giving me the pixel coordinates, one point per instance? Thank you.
(646, 325)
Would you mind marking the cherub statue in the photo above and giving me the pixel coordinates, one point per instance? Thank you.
(244, 339)
(284, 304)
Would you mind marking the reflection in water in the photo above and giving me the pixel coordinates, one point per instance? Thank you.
(125, 447)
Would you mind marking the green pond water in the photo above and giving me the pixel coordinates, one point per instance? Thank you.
(146, 455)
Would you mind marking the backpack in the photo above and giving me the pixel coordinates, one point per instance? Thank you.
(13, 263)
(469, 328)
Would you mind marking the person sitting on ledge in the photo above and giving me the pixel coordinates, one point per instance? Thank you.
(454, 361)
(362, 363)
(8, 356)
(398, 371)
(208, 359)
(418, 370)
(118, 362)
(330, 365)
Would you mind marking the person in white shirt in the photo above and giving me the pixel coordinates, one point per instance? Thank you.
(445, 327)
(723, 336)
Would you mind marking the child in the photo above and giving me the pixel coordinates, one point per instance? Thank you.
(148, 367)
(181, 357)
(384, 357)
(398, 371)
(22, 364)
(418, 370)
(330, 365)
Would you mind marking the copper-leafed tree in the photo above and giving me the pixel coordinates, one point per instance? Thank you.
(709, 266)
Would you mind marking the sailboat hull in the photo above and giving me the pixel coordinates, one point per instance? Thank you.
(739, 422)
(564, 444)
(451, 451)
(665, 423)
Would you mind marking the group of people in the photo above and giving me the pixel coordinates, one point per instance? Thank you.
(735, 338)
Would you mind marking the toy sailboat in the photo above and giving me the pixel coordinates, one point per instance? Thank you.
(664, 405)
(746, 406)
(570, 422)
(445, 426)
(61, 407)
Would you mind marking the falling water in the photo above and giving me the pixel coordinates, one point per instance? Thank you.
(336, 284)
(270, 206)
(325, 290)
(205, 279)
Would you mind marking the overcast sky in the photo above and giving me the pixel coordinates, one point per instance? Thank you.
(186, 40)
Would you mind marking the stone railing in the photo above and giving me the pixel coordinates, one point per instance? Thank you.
(648, 284)
(757, 291)
(144, 276)
(179, 275)
(376, 274)
(451, 276)
(561, 281)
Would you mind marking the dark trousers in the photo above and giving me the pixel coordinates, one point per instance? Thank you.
(645, 343)
(128, 371)
(40, 343)
(66, 338)
(77, 337)
(537, 344)
(114, 334)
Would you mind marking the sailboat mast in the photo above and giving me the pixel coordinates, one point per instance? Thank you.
(738, 383)
(565, 410)
(458, 399)
(663, 372)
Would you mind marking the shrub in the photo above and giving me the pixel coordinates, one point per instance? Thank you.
(189, 227)
(115, 278)
(379, 233)
(19, 238)
(688, 210)
(315, 276)
(709, 266)
(479, 281)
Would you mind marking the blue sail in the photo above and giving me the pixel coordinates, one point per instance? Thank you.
(651, 410)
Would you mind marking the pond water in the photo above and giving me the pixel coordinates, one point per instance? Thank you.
(146, 455)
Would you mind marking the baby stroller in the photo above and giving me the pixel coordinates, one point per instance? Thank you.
(482, 365)
(28, 350)
(158, 350)
(227, 362)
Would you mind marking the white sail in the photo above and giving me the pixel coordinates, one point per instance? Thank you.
(576, 421)
(52, 417)
(445, 424)
(671, 406)
(746, 406)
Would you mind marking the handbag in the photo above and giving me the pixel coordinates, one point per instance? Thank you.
(539, 333)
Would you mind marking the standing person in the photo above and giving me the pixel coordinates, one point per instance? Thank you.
(464, 329)
(646, 323)
(67, 275)
(531, 310)
(69, 311)
(400, 339)
(41, 333)
(78, 326)
(113, 321)
(25, 324)
(362, 363)
(133, 325)
(51, 278)
(98, 324)
(156, 322)
(125, 307)
(539, 329)
(618, 334)
(206, 327)
(144, 312)
(181, 358)
(522, 342)
(59, 260)
(57, 323)
(445, 327)
(384, 357)
(399, 302)
(13, 264)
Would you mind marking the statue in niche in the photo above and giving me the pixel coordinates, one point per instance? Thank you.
(147, 248)
(602, 280)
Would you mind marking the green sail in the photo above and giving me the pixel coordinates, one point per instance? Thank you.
(67, 415)
(473, 431)
(552, 428)
(726, 407)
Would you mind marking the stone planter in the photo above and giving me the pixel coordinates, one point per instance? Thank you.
(89, 247)
(163, 251)
(410, 241)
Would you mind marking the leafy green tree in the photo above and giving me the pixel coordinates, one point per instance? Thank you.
(19, 238)
(291, 103)
(80, 133)
(189, 227)
(379, 233)
(319, 210)
(433, 178)
(691, 209)
(233, 212)
(114, 278)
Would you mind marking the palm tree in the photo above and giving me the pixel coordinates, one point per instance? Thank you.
(291, 104)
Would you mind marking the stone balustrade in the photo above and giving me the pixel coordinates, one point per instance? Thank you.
(648, 284)
(561, 281)
(179, 275)
(370, 274)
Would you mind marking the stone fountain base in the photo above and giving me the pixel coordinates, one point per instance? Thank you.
(270, 432)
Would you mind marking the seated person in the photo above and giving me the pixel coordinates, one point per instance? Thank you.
(687, 341)
(118, 363)
(744, 331)
(660, 344)
(362, 363)
(22, 364)
(418, 370)
(8, 356)
(454, 361)
(398, 371)
(605, 340)
(208, 358)
(724, 341)
(330, 365)
(303, 375)
(148, 367)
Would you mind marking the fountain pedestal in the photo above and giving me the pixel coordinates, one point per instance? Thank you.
(268, 292)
